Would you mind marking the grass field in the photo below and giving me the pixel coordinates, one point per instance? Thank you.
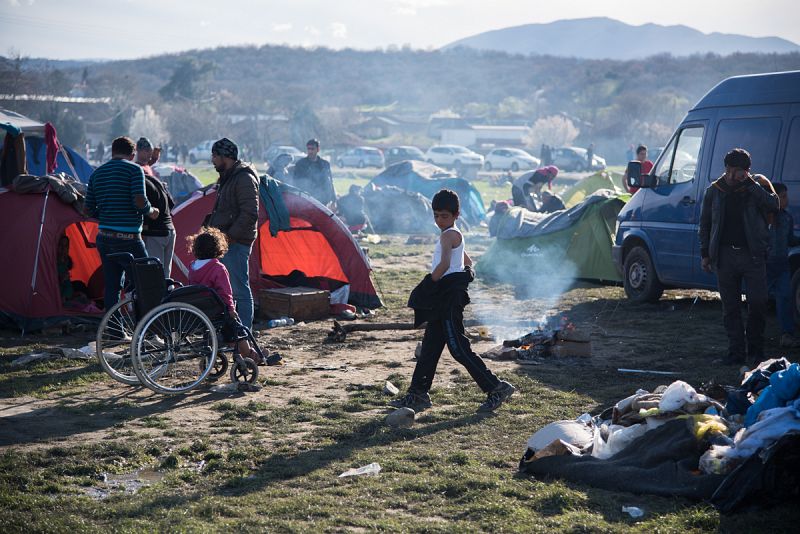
(81, 453)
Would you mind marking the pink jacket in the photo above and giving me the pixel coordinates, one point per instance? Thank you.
(214, 275)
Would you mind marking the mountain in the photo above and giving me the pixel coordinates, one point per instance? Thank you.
(605, 38)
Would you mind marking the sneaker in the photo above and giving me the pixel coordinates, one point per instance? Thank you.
(413, 400)
(789, 341)
(497, 397)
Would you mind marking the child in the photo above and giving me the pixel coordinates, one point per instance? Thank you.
(208, 246)
(781, 237)
(440, 299)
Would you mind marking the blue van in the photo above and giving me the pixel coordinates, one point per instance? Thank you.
(656, 245)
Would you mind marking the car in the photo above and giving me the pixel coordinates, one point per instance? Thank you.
(276, 150)
(573, 158)
(361, 156)
(403, 153)
(201, 152)
(514, 159)
(453, 156)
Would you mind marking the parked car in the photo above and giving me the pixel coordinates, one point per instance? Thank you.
(453, 156)
(573, 158)
(276, 150)
(503, 159)
(201, 152)
(361, 156)
(656, 244)
(403, 153)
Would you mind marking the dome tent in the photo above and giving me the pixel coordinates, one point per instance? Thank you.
(318, 247)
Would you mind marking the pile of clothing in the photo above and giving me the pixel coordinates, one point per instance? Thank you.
(739, 449)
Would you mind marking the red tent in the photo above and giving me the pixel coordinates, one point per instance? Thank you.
(32, 225)
(318, 245)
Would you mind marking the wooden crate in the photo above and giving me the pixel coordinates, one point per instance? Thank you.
(299, 303)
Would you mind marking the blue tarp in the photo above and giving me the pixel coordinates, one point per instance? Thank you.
(35, 154)
(427, 180)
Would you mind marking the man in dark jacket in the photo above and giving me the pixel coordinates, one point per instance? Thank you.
(312, 174)
(236, 214)
(734, 238)
(159, 234)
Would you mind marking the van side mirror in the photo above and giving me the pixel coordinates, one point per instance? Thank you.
(637, 179)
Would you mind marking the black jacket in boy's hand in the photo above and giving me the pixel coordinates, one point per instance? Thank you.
(430, 300)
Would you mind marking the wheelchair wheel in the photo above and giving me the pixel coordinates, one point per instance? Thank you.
(245, 370)
(220, 366)
(113, 342)
(174, 348)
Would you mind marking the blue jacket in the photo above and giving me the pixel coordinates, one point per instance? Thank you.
(781, 237)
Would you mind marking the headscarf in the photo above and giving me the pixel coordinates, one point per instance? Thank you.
(225, 148)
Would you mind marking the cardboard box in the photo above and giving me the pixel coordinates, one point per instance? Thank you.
(572, 349)
(299, 303)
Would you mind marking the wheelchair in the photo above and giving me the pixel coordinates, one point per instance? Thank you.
(165, 336)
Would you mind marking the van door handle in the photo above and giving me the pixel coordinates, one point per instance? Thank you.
(687, 200)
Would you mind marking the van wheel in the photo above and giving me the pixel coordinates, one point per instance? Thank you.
(514, 166)
(192, 159)
(639, 278)
(487, 166)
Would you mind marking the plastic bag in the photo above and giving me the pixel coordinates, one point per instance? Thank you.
(677, 394)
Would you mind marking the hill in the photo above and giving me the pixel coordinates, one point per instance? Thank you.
(605, 38)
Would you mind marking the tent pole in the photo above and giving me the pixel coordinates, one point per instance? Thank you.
(69, 163)
(38, 247)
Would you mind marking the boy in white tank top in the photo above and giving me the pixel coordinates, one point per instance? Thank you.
(441, 298)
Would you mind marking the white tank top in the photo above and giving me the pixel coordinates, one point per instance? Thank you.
(456, 255)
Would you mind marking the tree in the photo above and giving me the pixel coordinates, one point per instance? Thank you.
(120, 124)
(147, 122)
(186, 79)
(554, 130)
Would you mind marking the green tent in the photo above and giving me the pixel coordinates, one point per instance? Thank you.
(599, 180)
(569, 244)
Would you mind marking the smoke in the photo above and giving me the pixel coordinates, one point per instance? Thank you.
(540, 272)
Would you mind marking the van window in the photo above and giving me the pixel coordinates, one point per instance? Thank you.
(680, 165)
(791, 163)
(759, 136)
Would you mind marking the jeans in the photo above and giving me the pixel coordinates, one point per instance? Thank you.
(449, 331)
(237, 261)
(113, 268)
(163, 248)
(780, 285)
(736, 266)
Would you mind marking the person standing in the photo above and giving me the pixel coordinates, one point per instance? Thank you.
(647, 166)
(734, 239)
(590, 157)
(116, 197)
(236, 215)
(158, 234)
(779, 275)
(312, 174)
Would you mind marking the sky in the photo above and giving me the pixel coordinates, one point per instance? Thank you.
(124, 29)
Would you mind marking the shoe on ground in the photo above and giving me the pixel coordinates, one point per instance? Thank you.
(497, 397)
(789, 341)
(415, 401)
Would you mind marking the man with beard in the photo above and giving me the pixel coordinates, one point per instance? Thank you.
(312, 174)
(236, 215)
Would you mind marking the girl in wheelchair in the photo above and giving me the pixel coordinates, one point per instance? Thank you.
(208, 246)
